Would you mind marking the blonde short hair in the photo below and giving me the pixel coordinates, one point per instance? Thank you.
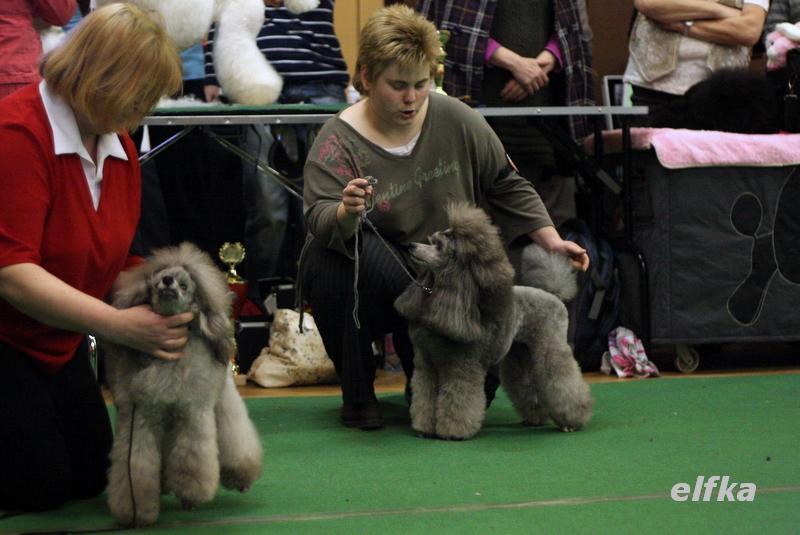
(114, 67)
(395, 34)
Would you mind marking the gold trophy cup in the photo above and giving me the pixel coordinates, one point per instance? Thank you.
(232, 254)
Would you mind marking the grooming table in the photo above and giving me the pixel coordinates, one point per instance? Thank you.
(209, 118)
(209, 115)
(717, 218)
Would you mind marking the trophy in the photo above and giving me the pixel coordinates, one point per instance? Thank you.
(438, 77)
(231, 255)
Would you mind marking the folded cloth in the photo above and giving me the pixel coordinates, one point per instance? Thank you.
(679, 149)
(626, 356)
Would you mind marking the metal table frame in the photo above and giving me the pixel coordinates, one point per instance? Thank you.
(205, 117)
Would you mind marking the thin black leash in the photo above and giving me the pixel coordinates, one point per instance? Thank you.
(372, 181)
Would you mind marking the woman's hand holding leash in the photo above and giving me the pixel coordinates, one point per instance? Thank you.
(355, 196)
(356, 201)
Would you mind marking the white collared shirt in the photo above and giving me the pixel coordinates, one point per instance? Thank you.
(67, 140)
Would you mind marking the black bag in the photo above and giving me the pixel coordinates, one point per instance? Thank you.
(595, 310)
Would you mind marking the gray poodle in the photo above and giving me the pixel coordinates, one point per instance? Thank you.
(181, 425)
(474, 318)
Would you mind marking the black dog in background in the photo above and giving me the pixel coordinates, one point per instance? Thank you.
(728, 101)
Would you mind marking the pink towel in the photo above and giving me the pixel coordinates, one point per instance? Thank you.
(626, 356)
(679, 149)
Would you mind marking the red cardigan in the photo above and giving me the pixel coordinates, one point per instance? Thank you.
(47, 218)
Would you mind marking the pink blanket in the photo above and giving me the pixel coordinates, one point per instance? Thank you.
(678, 149)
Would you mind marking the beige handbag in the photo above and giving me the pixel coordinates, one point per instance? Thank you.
(292, 357)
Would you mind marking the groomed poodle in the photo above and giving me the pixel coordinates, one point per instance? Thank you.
(474, 318)
(181, 425)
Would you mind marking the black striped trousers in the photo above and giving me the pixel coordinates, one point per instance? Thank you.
(328, 287)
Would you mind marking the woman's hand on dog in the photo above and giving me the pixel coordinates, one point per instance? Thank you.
(549, 239)
(160, 336)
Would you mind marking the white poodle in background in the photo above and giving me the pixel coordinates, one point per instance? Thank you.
(181, 425)
(246, 77)
(474, 318)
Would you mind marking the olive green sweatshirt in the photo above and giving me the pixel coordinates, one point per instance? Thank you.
(456, 158)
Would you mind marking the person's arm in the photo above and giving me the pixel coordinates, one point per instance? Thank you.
(525, 70)
(46, 298)
(550, 57)
(548, 238)
(334, 195)
(514, 205)
(681, 10)
(55, 12)
(743, 29)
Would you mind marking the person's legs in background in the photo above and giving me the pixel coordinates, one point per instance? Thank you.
(272, 214)
(266, 209)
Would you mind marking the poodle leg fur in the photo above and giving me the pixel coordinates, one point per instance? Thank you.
(134, 476)
(192, 464)
(561, 387)
(461, 400)
(516, 376)
(423, 396)
(240, 452)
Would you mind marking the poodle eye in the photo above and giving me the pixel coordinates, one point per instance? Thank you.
(183, 286)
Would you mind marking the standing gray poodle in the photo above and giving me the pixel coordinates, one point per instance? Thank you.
(181, 425)
(474, 318)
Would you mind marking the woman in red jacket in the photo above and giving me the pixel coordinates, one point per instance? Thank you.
(69, 207)
(20, 46)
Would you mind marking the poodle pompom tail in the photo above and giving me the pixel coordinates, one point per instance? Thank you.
(548, 271)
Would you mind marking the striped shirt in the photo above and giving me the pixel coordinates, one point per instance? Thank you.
(302, 48)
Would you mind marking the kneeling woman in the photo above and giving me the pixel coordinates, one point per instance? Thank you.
(426, 150)
(68, 212)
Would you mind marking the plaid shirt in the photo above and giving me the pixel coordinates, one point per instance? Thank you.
(469, 22)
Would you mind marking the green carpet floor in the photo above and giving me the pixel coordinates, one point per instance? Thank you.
(614, 476)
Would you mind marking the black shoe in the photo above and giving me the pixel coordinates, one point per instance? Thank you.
(365, 416)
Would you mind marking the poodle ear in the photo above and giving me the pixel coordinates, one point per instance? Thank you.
(413, 299)
(216, 327)
(212, 301)
(131, 288)
(451, 310)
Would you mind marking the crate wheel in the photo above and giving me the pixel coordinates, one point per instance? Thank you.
(687, 359)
